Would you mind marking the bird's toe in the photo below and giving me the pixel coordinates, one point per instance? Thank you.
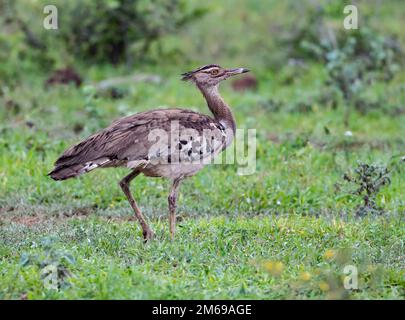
(148, 235)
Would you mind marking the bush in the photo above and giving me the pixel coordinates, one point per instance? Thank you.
(354, 59)
(367, 181)
(93, 31)
(120, 30)
(360, 58)
(19, 46)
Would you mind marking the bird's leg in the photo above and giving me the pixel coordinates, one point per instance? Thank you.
(124, 184)
(172, 206)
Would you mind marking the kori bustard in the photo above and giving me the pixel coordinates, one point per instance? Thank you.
(169, 143)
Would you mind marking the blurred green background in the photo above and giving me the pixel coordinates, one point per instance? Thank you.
(328, 105)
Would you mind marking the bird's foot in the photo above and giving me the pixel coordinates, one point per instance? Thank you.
(148, 235)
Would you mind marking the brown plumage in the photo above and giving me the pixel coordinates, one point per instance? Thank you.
(169, 143)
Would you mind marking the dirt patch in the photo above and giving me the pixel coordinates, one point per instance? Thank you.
(26, 220)
(6, 209)
(64, 76)
(32, 216)
(248, 82)
(79, 212)
(10, 214)
(274, 138)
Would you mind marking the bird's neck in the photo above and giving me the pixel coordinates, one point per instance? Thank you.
(221, 111)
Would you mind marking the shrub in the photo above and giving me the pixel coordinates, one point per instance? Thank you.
(94, 31)
(367, 181)
(116, 29)
(354, 59)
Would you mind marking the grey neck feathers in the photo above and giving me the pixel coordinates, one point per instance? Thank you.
(222, 113)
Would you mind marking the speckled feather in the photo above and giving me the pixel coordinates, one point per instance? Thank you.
(126, 140)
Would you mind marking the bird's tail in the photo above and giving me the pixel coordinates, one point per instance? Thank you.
(64, 172)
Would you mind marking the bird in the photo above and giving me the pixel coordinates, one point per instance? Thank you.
(171, 143)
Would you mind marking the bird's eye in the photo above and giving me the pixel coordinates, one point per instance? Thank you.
(214, 72)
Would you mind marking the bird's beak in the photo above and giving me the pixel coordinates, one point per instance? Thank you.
(232, 72)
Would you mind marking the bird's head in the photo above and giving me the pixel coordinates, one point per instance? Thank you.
(211, 75)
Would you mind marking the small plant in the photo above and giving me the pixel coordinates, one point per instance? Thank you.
(359, 60)
(53, 264)
(353, 60)
(368, 180)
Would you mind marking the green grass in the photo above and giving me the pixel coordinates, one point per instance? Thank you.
(286, 231)
(212, 258)
(288, 213)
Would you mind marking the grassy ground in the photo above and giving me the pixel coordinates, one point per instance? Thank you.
(286, 231)
(259, 236)
(263, 257)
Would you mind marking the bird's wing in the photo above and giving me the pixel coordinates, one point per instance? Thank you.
(130, 139)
